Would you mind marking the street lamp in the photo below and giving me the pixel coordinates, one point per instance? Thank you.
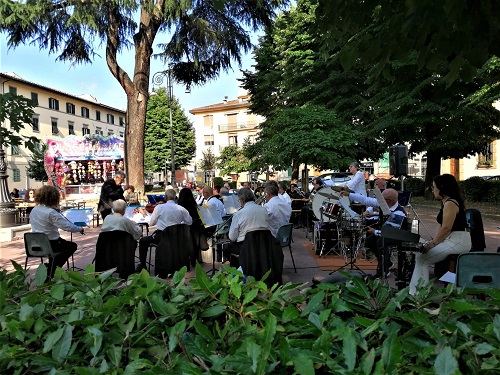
(158, 80)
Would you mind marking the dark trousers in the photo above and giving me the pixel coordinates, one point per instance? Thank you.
(105, 212)
(63, 249)
(226, 249)
(144, 243)
(381, 248)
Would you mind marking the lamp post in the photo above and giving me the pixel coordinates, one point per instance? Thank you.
(158, 80)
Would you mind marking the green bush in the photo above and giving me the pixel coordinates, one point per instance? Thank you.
(415, 185)
(474, 189)
(91, 324)
(493, 194)
(148, 188)
(218, 181)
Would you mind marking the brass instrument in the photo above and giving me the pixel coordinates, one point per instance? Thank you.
(261, 199)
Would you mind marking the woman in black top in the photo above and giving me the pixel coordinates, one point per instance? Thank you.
(451, 235)
(186, 200)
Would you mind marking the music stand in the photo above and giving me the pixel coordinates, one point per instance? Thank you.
(214, 243)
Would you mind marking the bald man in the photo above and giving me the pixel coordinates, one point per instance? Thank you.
(381, 247)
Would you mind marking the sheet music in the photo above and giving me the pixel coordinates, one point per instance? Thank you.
(79, 217)
(231, 203)
(210, 216)
(344, 202)
(137, 217)
(381, 201)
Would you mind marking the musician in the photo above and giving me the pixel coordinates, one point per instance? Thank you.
(249, 218)
(164, 215)
(372, 216)
(199, 198)
(306, 214)
(295, 193)
(46, 218)
(118, 221)
(380, 247)
(357, 183)
(282, 194)
(278, 210)
(451, 235)
(212, 200)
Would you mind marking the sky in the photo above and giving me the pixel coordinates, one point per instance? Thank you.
(95, 79)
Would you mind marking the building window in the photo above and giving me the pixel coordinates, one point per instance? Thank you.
(98, 130)
(121, 121)
(486, 158)
(85, 130)
(70, 108)
(12, 90)
(14, 150)
(208, 121)
(35, 123)
(54, 104)
(71, 128)
(110, 132)
(54, 126)
(110, 119)
(85, 112)
(233, 140)
(34, 98)
(208, 140)
(16, 175)
(121, 134)
(98, 115)
(231, 121)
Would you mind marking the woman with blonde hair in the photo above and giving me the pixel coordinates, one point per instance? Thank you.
(46, 218)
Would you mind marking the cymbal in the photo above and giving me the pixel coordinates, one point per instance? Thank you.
(341, 188)
(328, 195)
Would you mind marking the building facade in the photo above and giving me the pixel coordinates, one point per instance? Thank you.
(57, 114)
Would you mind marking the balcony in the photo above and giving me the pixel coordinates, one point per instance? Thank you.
(247, 125)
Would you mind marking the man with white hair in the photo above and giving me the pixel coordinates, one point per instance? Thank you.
(117, 221)
(278, 210)
(163, 216)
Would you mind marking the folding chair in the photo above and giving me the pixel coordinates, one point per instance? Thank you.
(284, 236)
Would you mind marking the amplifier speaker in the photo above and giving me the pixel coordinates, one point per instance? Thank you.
(398, 160)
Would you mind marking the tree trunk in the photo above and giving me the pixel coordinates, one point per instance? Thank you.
(433, 170)
(295, 170)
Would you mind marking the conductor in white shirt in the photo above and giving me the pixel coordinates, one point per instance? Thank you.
(279, 211)
(118, 221)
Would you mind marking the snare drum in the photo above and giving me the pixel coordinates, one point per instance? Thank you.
(353, 225)
(330, 209)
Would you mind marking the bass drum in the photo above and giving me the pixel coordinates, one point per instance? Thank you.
(319, 199)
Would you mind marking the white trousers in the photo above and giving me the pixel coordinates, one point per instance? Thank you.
(455, 243)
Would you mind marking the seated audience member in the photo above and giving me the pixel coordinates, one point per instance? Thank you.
(279, 211)
(380, 247)
(283, 195)
(117, 221)
(164, 215)
(29, 196)
(131, 197)
(47, 218)
(451, 236)
(249, 218)
(15, 193)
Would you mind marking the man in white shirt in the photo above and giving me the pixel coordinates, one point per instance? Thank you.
(212, 201)
(279, 211)
(283, 195)
(117, 221)
(357, 183)
(249, 218)
(163, 216)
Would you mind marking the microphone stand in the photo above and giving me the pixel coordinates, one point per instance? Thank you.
(78, 223)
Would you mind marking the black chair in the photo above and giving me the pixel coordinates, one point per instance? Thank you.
(174, 250)
(259, 253)
(116, 249)
(37, 245)
(478, 270)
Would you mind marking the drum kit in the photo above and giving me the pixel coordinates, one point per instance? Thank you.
(335, 230)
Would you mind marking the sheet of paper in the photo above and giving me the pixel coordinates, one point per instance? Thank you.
(79, 216)
(449, 277)
(231, 203)
(381, 201)
(136, 217)
(210, 216)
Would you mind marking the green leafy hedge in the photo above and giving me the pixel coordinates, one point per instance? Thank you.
(474, 189)
(89, 324)
(415, 185)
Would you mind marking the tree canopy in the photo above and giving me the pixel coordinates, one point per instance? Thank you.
(19, 113)
(232, 160)
(197, 38)
(157, 136)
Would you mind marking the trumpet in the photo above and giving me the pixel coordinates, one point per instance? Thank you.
(261, 199)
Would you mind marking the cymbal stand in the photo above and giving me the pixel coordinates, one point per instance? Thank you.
(356, 238)
(214, 244)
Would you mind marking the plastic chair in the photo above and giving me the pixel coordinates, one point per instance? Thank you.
(284, 236)
(37, 245)
(478, 270)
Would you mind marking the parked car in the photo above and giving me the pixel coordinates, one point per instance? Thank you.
(330, 179)
(492, 178)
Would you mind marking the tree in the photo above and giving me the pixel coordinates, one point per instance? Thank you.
(208, 161)
(18, 111)
(200, 38)
(36, 168)
(232, 160)
(157, 156)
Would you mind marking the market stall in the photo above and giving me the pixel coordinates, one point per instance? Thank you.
(79, 165)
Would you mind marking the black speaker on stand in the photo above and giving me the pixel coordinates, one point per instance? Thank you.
(398, 160)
